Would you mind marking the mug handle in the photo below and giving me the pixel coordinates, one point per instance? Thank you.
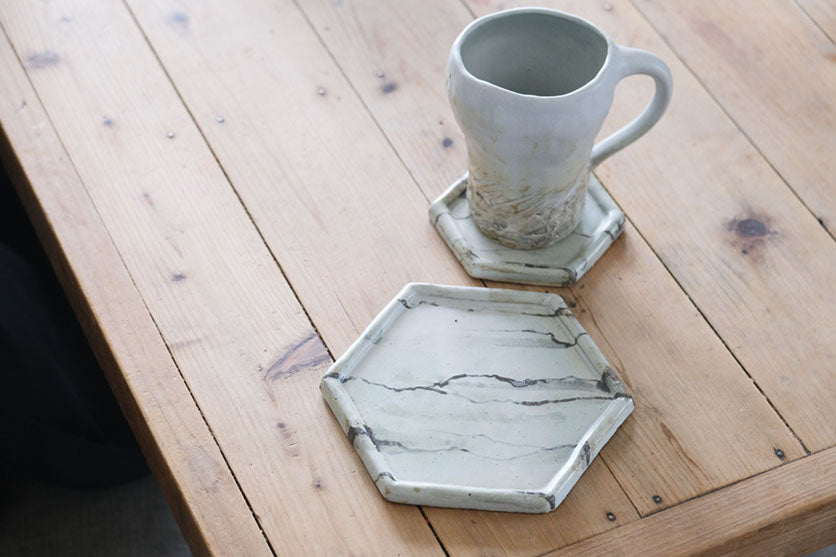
(633, 61)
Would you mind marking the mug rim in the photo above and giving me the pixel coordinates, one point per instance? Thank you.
(456, 51)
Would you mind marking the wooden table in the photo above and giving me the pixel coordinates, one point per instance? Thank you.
(230, 191)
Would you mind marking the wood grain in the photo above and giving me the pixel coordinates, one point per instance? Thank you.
(669, 449)
(787, 511)
(741, 53)
(243, 343)
(590, 508)
(738, 241)
(333, 201)
(401, 48)
(346, 222)
(823, 14)
(671, 446)
(209, 507)
(686, 385)
(341, 213)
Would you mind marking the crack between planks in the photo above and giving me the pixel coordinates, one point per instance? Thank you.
(623, 490)
(728, 115)
(710, 324)
(468, 8)
(724, 486)
(733, 355)
(258, 231)
(432, 529)
(675, 505)
(689, 499)
(359, 97)
(136, 287)
(813, 20)
(719, 336)
(226, 175)
(385, 136)
(249, 215)
(260, 235)
(203, 416)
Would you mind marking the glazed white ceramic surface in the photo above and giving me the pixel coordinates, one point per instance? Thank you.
(530, 89)
(559, 264)
(476, 398)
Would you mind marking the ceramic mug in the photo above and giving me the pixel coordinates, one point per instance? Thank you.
(530, 89)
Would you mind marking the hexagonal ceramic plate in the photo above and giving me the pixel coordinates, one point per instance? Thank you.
(476, 398)
(561, 264)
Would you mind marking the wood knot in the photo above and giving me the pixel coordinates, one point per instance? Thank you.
(751, 228)
(749, 233)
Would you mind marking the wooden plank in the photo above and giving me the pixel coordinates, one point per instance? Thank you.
(342, 216)
(590, 508)
(823, 14)
(395, 57)
(196, 97)
(742, 246)
(773, 71)
(334, 203)
(668, 354)
(243, 343)
(670, 447)
(787, 511)
(186, 461)
(688, 388)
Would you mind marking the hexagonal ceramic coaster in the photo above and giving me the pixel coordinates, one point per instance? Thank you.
(558, 265)
(476, 398)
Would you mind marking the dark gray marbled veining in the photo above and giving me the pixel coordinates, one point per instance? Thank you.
(475, 397)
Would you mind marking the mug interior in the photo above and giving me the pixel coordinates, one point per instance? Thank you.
(534, 53)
